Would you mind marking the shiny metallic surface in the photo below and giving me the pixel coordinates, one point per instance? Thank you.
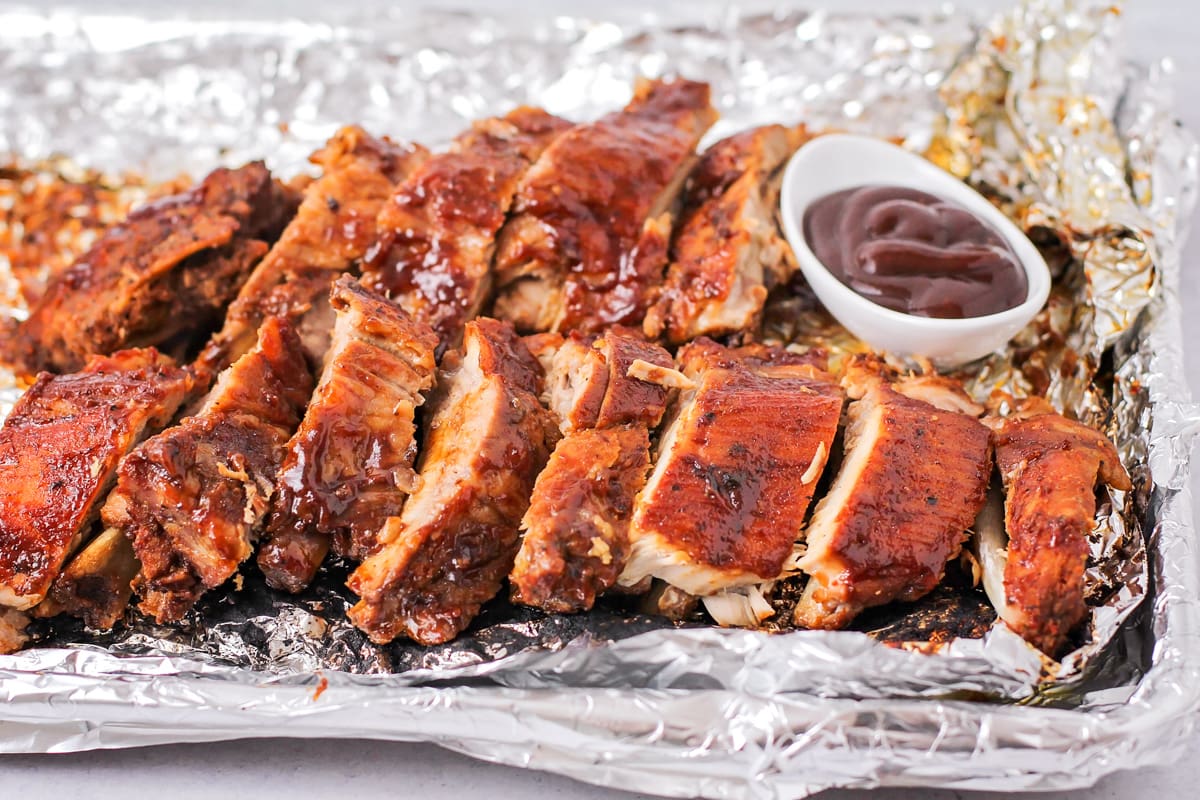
(1035, 107)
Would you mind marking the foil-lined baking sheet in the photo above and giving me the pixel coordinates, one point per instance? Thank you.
(1035, 108)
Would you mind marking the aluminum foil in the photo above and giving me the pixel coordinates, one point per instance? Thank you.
(613, 697)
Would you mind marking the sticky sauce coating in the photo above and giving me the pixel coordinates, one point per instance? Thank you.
(916, 253)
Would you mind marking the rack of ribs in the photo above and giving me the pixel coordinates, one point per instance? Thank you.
(738, 460)
(608, 395)
(1050, 466)
(165, 273)
(192, 498)
(59, 451)
(913, 478)
(727, 252)
(587, 241)
(437, 234)
(486, 437)
(332, 230)
(349, 466)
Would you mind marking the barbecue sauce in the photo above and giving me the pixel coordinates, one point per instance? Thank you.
(913, 252)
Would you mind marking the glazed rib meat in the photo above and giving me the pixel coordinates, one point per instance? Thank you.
(591, 221)
(349, 466)
(54, 210)
(97, 583)
(59, 450)
(437, 234)
(332, 230)
(576, 538)
(167, 271)
(727, 252)
(192, 498)
(1050, 466)
(486, 438)
(736, 467)
(598, 382)
(639, 374)
(913, 478)
(576, 532)
(576, 378)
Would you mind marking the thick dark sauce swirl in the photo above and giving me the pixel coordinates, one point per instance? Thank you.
(913, 252)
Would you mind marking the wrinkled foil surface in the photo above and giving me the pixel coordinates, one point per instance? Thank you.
(1035, 108)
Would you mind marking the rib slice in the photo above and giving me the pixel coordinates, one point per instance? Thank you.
(588, 239)
(97, 584)
(576, 538)
(589, 383)
(737, 464)
(639, 374)
(438, 231)
(54, 210)
(192, 497)
(167, 271)
(1050, 466)
(332, 230)
(59, 450)
(913, 478)
(576, 379)
(449, 551)
(12, 630)
(349, 466)
(727, 252)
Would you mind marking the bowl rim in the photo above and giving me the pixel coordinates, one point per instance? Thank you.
(929, 178)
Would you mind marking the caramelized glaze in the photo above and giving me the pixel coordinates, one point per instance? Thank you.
(170, 268)
(438, 230)
(349, 466)
(586, 221)
(59, 450)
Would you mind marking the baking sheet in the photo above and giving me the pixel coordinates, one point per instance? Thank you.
(705, 711)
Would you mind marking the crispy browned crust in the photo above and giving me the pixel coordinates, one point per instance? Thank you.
(576, 538)
(192, 498)
(437, 233)
(167, 270)
(704, 354)
(53, 211)
(333, 228)
(591, 220)
(735, 471)
(913, 480)
(1050, 466)
(59, 450)
(485, 441)
(349, 466)
(727, 252)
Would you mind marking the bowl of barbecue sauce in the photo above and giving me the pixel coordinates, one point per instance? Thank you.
(910, 259)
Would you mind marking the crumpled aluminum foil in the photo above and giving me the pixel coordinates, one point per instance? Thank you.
(612, 697)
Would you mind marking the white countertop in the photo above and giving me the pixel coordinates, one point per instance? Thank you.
(297, 769)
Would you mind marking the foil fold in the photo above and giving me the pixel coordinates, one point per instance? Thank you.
(615, 698)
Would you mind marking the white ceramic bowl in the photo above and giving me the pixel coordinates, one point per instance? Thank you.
(843, 161)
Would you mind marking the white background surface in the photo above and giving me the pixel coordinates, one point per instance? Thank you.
(321, 769)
